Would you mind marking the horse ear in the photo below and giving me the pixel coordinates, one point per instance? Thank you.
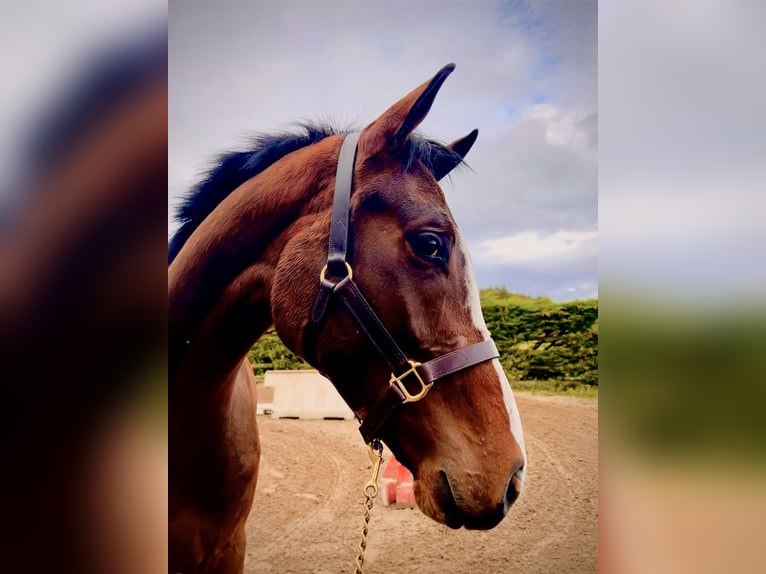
(460, 147)
(395, 125)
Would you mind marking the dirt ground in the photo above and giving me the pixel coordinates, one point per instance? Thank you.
(307, 514)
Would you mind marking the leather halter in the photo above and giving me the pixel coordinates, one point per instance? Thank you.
(336, 279)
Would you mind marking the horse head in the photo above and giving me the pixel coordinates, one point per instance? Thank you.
(463, 440)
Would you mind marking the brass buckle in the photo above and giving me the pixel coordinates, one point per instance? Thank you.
(410, 398)
(324, 271)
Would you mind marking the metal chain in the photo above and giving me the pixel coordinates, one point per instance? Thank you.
(375, 452)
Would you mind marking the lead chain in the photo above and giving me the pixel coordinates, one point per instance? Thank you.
(375, 452)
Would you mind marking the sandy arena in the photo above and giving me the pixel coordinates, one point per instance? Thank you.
(307, 514)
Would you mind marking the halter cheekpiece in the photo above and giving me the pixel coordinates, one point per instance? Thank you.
(336, 278)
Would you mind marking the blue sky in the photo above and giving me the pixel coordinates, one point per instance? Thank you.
(526, 77)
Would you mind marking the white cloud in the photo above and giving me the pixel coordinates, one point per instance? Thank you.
(531, 247)
(562, 128)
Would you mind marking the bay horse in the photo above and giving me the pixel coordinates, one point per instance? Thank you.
(253, 251)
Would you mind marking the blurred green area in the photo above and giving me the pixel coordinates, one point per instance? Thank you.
(684, 383)
(551, 348)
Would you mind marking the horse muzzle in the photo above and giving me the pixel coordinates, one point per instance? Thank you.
(470, 500)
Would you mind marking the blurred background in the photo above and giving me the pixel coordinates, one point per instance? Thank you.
(83, 223)
(83, 234)
(681, 284)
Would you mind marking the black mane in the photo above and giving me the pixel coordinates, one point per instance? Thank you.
(234, 168)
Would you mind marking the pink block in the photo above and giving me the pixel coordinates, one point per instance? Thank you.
(396, 485)
(403, 475)
(392, 469)
(387, 490)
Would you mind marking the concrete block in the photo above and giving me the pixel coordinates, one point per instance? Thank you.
(305, 394)
(387, 490)
(265, 400)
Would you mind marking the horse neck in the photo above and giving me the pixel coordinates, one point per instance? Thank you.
(219, 285)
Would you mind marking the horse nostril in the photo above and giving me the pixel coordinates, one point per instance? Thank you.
(451, 510)
(511, 494)
(513, 489)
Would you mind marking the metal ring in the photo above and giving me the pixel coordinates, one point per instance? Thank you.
(348, 268)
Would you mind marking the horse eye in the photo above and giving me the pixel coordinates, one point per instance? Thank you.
(428, 246)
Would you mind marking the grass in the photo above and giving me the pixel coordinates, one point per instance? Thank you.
(556, 388)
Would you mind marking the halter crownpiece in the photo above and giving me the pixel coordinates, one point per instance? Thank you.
(336, 278)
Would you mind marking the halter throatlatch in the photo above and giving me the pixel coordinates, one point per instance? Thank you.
(336, 279)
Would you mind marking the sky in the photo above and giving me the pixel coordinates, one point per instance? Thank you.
(526, 77)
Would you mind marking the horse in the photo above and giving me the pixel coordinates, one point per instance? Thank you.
(389, 313)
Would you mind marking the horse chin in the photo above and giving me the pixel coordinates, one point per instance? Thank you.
(437, 499)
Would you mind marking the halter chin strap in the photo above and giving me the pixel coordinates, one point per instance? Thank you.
(336, 279)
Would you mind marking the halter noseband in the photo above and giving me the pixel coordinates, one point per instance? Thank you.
(336, 279)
